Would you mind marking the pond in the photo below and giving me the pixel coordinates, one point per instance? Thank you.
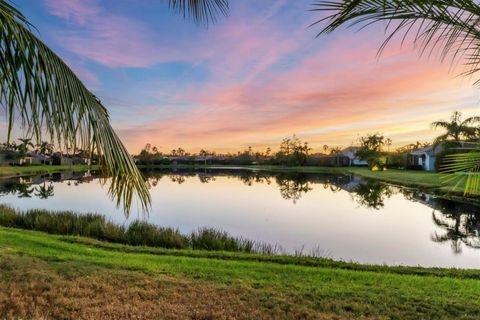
(341, 216)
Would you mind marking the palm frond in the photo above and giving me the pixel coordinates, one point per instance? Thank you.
(472, 120)
(465, 168)
(38, 89)
(441, 124)
(201, 11)
(451, 26)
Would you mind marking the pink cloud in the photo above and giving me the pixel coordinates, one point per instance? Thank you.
(326, 104)
(88, 77)
(111, 40)
(78, 11)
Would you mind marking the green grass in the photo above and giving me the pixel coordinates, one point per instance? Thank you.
(41, 169)
(324, 290)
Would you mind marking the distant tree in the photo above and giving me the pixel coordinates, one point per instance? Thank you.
(335, 150)
(180, 152)
(25, 145)
(268, 152)
(204, 153)
(43, 148)
(411, 147)
(147, 148)
(372, 150)
(457, 129)
(293, 152)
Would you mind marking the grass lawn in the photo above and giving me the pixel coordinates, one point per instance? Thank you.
(47, 276)
(41, 169)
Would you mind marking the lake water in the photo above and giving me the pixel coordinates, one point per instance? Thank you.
(345, 217)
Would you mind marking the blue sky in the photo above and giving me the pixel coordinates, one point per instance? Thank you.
(253, 78)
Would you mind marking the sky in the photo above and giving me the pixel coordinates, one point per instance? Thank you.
(253, 78)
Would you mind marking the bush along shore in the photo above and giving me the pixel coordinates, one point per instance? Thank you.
(138, 233)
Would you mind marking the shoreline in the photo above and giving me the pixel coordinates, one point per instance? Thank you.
(22, 171)
(433, 182)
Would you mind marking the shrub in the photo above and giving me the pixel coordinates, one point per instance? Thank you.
(213, 239)
(7, 216)
(142, 233)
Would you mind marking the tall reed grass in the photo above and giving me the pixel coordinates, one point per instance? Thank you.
(138, 233)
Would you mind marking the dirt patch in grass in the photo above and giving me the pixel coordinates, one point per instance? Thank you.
(34, 289)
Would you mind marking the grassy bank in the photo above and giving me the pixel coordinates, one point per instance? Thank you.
(83, 278)
(428, 180)
(41, 169)
(137, 233)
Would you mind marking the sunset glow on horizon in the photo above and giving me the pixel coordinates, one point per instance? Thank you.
(252, 79)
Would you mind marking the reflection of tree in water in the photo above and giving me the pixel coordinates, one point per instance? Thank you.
(372, 194)
(44, 191)
(460, 222)
(177, 178)
(250, 178)
(24, 190)
(292, 187)
(205, 177)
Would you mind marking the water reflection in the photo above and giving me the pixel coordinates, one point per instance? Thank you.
(372, 194)
(454, 223)
(44, 191)
(460, 224)
(292, 186)
(42, 186)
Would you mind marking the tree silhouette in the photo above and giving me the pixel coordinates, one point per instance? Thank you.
(457, 129)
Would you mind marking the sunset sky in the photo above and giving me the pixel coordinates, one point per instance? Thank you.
(252, 79)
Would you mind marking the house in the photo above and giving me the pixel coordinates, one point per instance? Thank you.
(426, 158)
(61, 159)
(323, 160)
(34, 159)
(351, 154)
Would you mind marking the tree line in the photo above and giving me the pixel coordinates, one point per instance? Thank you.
(373, 149)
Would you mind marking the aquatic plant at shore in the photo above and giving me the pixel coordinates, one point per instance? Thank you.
(138, 233)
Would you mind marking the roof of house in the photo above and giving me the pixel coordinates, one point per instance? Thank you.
(425, 150)
(350, 152)
(430, 150)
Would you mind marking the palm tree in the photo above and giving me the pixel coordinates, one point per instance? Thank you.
(25, 144)
(44, 147)
(456, 128)
(451, 26)
(38, 89)
(204, 153)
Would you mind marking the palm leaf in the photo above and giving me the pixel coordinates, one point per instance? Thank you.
(451, 26)
(38, 89)
(465, 168)
(201, 11)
